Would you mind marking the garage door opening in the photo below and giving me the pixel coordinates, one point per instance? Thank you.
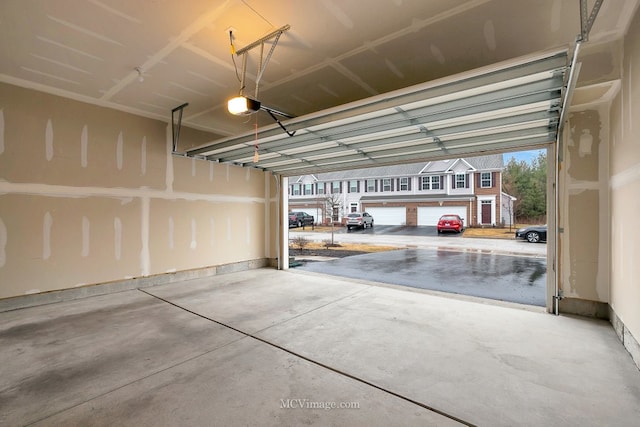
(486, 261)
(506, 107)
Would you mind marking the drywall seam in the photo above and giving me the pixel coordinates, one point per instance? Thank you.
(630, 97)
(169, 169)
(86, 229)
(48, 140)
(145, 256)
(628, 176)
(194, 242)
(204, 20)
(119, 151)
(170, 232)
(212, 223)
(46, 235)
(143, 156)
(1, 131)
(117, 238)
(50, 190)
(84, 142)
(3, 243)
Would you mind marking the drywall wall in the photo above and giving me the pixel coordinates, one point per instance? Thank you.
(91, 195)
(625, 186)
(583, 206)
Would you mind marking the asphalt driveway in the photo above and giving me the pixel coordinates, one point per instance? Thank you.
(389, 230)
(510, 278)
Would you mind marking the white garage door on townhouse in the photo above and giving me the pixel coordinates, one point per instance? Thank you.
(430, 215)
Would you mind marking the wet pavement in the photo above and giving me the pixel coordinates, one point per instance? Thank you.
(518, 279)
(403, 230)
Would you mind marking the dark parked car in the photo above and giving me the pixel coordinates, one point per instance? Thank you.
(533, 234)
(359, 219)
(298, 219)
(450, 222)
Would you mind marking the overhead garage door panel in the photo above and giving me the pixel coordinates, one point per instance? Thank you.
(388, 216)
(504, 107)
(430, 215)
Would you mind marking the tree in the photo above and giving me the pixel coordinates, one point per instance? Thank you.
(333, 205)
(528, 183)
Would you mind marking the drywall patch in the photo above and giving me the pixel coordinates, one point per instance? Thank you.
(3, 243)
(145, 257)
(212, 223)
(119, 151)
(47, 224)
(48, 140)
(169, 151)
(84, 143)
(227, 172)
(170, 233)
(437, 53)
(86, 228)
(247, 174)
(630, 98)
(211, 171)
(193, 166)
(248, 221)
(490, 34)
(1, 130)
(556, 17)
(194, 243)
(117, 237)
(143, 156)
(228, 227)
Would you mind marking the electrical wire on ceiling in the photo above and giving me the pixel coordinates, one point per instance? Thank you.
(258, 13)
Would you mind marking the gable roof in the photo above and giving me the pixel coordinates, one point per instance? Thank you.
(488, 162)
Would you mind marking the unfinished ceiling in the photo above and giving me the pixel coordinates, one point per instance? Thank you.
(336, 52)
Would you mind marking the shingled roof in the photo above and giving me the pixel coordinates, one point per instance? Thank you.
(488, 162)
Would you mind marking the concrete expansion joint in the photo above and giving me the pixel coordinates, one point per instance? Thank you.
(313, 361)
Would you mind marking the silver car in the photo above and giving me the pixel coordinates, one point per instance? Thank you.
(359, 219)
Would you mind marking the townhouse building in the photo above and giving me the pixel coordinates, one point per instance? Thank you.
(411, 194)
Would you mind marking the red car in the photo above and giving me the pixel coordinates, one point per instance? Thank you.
(450, 222)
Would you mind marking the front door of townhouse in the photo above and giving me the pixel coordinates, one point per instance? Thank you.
(486, 212)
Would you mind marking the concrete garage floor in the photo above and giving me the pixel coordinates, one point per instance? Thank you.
(250, 348)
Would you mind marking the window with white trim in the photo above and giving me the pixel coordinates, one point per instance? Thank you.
(371, 185)
(354, 207)
(335, 188)
(435, 182)
(425, 183)
(296, 190)
(431, 182)
(485, 180)
(353, 186)
(404, 184)
(307, 190)
(386, 184)
(321, 188)
(461, 180)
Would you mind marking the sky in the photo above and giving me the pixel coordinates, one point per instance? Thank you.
(527, 156)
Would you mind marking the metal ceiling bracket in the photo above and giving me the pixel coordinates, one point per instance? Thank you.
(273, 116)
(263, 61)
(176, 125)
(587, 19)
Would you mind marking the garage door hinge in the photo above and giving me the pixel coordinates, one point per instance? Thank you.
(559, 296)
